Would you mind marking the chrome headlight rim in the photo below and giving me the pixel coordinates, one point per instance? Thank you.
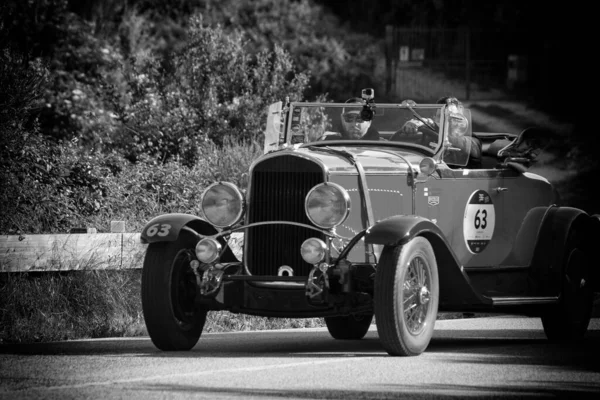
(238, 194)
(346, 203)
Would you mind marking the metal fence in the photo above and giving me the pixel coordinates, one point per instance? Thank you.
(459, 62)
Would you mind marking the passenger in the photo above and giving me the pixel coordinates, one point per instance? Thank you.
(353, 126)
(456, 137)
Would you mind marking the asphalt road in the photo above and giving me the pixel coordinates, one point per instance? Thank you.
(475, 357)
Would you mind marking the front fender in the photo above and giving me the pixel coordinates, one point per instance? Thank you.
(398, 230)
(456, 289)
(166, 228)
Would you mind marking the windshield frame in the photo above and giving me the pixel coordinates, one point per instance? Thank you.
(433, 152)
(442, 150)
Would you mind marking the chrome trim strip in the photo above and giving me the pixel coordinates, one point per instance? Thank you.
(244, 227)
(509, 301)
(494, 269)
(263, 278)
(281, 285)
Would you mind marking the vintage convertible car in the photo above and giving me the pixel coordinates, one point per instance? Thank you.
(395, 228)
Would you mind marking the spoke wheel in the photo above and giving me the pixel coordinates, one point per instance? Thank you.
(406, 297)
(169, 289)
(351, 327)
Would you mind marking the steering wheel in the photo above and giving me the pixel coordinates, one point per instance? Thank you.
(423, 136)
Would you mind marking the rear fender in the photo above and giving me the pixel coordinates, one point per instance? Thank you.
(455, 285)
(546, 272)
(593, 235)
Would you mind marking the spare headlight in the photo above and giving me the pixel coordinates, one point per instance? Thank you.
(427, 166)
(222, 204)
(327, 205)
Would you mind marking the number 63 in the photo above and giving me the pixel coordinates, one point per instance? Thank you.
(480, 221)
(158, 229)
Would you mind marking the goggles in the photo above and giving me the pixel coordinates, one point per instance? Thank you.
(353, 118)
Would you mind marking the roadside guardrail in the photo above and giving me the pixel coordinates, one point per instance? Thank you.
(69, 252)
(81, 250)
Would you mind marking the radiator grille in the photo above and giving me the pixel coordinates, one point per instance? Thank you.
(279, 186)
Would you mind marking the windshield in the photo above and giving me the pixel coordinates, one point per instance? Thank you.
(392, 124)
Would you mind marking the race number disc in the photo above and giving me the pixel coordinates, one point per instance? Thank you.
(479, 221)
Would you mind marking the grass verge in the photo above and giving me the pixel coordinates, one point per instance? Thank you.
(54, 306)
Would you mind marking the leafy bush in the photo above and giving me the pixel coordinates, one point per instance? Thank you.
(339, 60)
(43, 183)
(148, 188)
(218, 90)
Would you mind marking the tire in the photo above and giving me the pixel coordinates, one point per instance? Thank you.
(169, 288)
(568, 321)
(406, 297)
(351, 327)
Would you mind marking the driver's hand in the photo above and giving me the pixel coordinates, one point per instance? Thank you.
(412, 127)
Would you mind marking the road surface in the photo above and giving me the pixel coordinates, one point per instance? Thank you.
(475, 357)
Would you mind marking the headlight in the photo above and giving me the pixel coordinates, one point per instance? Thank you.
(207, 250)
(313, 250)
(327, 205)
(222, 204)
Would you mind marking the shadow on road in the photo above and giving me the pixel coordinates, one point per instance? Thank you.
(502, 346)
(435, 391)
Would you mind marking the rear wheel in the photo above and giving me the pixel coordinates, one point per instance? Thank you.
(570, 318)
(351, 327)
(406, 297)
(169, 289)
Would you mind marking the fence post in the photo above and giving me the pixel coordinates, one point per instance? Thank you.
(468, 64)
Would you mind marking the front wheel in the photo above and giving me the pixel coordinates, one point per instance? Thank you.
(406, 297)
(351, 327)
(169, 288)
(568, 321)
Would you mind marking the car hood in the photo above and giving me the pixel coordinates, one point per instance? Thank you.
(374, 159)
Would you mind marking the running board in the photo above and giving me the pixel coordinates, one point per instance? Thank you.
(514, 301)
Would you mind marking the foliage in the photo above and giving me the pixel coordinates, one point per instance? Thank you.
(44, 185)
(86, 80)
(217, 91)
(148, 188)
(341, 60)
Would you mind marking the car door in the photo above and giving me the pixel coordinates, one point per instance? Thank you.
(469, 208)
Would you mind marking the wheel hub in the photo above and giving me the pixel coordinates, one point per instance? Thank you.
(424, 295)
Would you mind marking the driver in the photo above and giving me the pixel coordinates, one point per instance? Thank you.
(457, 138)
(353, 126)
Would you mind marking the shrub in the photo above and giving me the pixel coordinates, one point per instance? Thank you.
(135, 193)
(339, 60)
(217, 90)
